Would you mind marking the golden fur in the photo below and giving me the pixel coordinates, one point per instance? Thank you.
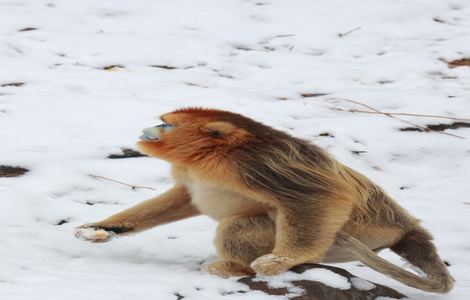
(280, 201)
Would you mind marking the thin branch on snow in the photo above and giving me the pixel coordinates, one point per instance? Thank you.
(349, 32)
(134, 187)
(399, 114)
(425, 129)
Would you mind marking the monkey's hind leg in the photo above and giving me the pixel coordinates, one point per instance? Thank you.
(239, 241)
(227, 269)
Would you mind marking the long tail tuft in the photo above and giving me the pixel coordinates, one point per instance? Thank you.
(417, 248)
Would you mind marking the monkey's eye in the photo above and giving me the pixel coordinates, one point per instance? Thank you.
(165, 126)
(215, 134)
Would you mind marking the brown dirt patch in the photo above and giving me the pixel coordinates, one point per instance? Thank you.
(439, 127)
(310, 95)
(17, 84)
(314, 290)
(9, 171)
(126, 153)
(463, 62)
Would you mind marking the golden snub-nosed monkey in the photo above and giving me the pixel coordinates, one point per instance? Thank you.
(280, 201)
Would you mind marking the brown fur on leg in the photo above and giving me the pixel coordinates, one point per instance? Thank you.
(228, 269)
(243, 239)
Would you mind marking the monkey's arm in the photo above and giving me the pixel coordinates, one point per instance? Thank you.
(173, 205)
(304, 232)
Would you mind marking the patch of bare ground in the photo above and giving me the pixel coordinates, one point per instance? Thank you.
(438, 127)
(311, 95)
(28, 29)
(62, 222)
(9, 171)
(114, 68)
(317, 290)
(178, 296)
(169, 67)
(126, 153)
(462, 62)
(16, 84)
(327, 134)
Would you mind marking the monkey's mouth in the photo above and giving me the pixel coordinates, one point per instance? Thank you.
(150, 134)
(155, 133)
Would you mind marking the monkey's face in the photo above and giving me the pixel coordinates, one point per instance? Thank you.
(192, 136)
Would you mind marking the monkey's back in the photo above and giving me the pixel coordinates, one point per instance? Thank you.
(373, 205)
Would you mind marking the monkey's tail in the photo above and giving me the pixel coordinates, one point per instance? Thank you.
(417, 248)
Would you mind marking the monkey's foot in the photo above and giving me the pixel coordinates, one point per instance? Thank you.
(271, 264)
(93, 234)
(99, 234)
(227, 269)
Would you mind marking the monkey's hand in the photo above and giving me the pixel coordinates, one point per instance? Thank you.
(272, 264)
(98, 234)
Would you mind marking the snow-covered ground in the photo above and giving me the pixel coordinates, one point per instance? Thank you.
(254, 57)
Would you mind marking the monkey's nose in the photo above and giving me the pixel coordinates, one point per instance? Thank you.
(150, 134)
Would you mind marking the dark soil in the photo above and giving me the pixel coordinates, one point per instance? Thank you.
(438, 127)
(314, 290)
(112, 67)
(17, 84)
(463, 62)
(9, 171)
(27, 29)
(126, 153)
(310, 95)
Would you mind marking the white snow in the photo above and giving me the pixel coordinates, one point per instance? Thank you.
(324, 276)
(362, 284)
(254, 57)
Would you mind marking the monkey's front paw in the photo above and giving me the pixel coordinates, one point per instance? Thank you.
(271, 264)
(93, 234)
(97, 233)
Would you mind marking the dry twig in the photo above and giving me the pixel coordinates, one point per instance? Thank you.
(425, 129)
(399, 114)
(134, 187)
(349, 32)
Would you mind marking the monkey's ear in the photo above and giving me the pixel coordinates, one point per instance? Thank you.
(218, 129)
